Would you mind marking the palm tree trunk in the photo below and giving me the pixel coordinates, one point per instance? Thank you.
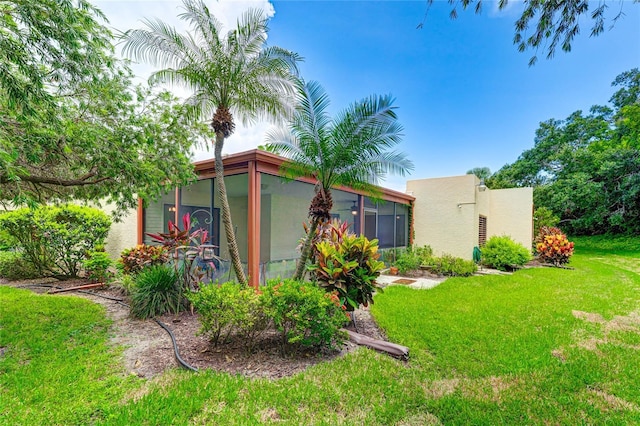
(226, 211)
(306, 251)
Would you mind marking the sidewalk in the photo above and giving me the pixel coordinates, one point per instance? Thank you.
(417, 283)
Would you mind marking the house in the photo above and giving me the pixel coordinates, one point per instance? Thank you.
(455, 214)
(452, 215)
(267, 212)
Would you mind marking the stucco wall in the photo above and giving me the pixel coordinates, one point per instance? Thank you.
(445, 214)
(122, 234)
(447, 210)
(512, 214)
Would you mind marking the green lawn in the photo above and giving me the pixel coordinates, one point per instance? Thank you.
(542, 346)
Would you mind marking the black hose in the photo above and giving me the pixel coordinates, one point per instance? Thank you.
(175, 347)
(176, 351)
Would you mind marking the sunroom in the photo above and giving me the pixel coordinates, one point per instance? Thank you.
(268, 212)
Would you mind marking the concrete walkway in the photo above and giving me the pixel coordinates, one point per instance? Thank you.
(423, 283)
(417, 283)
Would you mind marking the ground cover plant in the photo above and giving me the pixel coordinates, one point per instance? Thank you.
(540, 346)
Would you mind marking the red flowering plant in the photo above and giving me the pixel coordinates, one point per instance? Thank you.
(552, 246)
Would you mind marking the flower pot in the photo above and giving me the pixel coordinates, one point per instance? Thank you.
(393, 270)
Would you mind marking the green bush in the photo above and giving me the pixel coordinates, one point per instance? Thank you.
(451, 266)
(227, 309)
(56, 239)
(96, 266)
(502, 253)
(156, 292)
(412, 258)
(133, 260)
(304, 314)
(408, 261)
(13, 266)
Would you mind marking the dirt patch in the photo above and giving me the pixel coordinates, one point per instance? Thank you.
(439, 388)
(148, 350)
(589, 317)
(607, 402)
(404, 281)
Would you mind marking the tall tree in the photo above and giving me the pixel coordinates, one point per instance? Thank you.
(48, 42)
(72, 126)
(351, 149)
(586, 169)
(548, 24)
(230, 74)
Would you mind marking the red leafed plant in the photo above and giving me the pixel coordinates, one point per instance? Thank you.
(177, 237)
(193, 259)
(552, 246)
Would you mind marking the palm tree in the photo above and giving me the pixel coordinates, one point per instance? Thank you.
(232, 73)
(351, 149)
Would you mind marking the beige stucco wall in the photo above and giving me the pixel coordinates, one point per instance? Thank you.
(447, 210)
(445, 214)
(123, 234)
(511, 214)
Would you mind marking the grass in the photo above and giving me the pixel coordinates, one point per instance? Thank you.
(57, 367)
(542, 346)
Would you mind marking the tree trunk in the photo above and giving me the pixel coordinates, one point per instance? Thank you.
(226, 211)
(306, 251)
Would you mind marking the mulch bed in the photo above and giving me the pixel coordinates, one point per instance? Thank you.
(149, 350)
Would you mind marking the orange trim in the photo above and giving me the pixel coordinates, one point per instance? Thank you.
(140, 220)
(253, 217)
(267, 162)
(176, 203)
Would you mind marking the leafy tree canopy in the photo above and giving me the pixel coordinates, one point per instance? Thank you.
(586, 168)
(73, 126)
(549, 24)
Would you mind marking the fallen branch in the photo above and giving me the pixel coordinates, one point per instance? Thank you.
(397, 351)
(80, 287)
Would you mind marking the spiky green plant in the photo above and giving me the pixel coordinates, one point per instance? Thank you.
(156, 292)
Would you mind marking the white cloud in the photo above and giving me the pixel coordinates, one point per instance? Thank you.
(128, 14)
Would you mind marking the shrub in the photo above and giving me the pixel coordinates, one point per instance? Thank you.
(56, 239)
(348, 265)
(227, 309)
(96, 266)
(451, 266)
(13, 266)
(412, 258)
(552, 246)
(408, 261)
(304, 314)
(156, 292)
(502, 253)
(133, 260)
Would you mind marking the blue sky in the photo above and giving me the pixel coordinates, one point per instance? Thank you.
(465, 95)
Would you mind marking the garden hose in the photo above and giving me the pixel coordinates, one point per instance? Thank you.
(176, 351)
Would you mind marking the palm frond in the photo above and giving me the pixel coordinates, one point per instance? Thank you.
(159, 45)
